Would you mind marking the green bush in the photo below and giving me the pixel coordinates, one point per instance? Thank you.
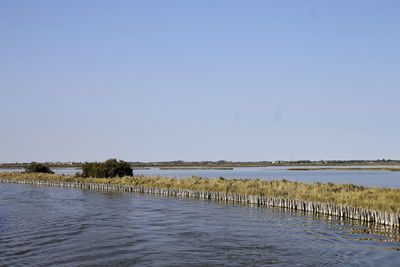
(37, 167)
(107, 169)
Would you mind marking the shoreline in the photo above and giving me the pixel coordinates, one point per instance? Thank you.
(222, 165)
(342, 211)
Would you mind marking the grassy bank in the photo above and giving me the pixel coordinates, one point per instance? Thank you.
(380, 199)
(393, 169)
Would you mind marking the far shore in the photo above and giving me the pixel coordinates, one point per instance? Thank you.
(226, 164)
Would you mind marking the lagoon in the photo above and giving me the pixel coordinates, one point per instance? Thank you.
(365, 178)
(68, 227)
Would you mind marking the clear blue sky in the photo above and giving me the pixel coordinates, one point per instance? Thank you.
(199, 80)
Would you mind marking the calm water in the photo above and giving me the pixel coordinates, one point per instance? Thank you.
(366, 178)
(43, 226)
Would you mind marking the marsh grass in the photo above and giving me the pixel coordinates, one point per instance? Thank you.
(380, 199)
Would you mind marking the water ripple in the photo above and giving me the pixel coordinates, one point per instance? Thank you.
(67, 227)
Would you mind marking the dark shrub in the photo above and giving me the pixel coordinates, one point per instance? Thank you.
(109, 168)
(37, 167)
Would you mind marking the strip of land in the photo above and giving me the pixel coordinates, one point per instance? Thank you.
(393, 169)
(379, 199)
(224, 163)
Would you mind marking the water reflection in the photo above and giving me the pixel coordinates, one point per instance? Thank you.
(356, 229)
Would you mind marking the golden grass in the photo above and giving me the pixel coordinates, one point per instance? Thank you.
(381, 199)
(393, 169)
